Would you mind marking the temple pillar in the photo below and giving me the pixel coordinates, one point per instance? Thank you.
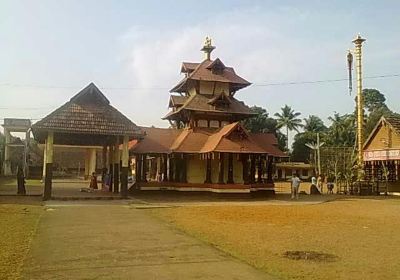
(269, 169)
(208, 170)
(116, 165)
(111, 165)
(7, 161)
(49, 166)
(165, 168)
(171, 168)
(230, 169)
(184, 168)
(252, 169)
(221, 169)
(245, 164)
(259, 169)
(125, 167)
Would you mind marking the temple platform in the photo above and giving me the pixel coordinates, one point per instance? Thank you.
(198, 187)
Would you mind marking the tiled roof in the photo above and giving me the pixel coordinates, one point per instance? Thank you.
(177, 100)
(199, 102)
(156, 140)
(88, 112)
(203, 73)
(392, 120)
(232, 138)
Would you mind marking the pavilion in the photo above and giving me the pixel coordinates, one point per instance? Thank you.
(206, 148)
(88, 120)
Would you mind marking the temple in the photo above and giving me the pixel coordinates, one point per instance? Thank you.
(206, 148)
(382, 155)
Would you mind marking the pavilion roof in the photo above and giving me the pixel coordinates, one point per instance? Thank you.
(204, 71)
(89, 112)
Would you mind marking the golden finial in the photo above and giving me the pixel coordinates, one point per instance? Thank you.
(207, 48)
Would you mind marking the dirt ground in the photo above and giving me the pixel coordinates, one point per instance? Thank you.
(360, 237)
(18, 224)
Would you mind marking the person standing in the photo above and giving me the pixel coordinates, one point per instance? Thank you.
(320, 182)
(295, 186)
(93, 182)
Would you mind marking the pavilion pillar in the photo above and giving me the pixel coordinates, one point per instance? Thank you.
(165, 168)
(111, 165)
(252, 169)
(208, 169)
(116, 165)
(145, 168)
(245, 163)
(259, 169)
(44, 160)
(230, 169)
(221, 169)
(270, 160)
(104, 164)
(7, 161)
(87, 164)
(92, 161)
(49, 166)
(125, 167)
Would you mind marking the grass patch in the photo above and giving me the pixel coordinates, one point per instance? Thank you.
(356, 237)
(17, 226)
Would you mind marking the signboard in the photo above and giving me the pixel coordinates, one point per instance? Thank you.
(17, 122)
(392, 154)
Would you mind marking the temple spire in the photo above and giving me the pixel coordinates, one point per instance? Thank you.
(208, 48)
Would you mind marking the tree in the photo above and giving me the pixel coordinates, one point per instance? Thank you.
(289, 119)
(342, 132)
(261, 122)
(312, 125)
(373, 99)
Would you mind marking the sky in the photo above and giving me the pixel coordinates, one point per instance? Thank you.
(133, 50)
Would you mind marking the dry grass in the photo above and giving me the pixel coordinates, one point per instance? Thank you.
(362, 234)
(17, 226)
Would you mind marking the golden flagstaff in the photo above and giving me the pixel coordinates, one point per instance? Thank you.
(359, 105)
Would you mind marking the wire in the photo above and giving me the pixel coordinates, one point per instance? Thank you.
(324, 81)
(159, 88)
(165, 88)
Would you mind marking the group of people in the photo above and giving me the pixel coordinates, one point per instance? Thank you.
(105, 184)
(317, 185)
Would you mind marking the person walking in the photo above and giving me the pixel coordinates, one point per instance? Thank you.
(295, 186)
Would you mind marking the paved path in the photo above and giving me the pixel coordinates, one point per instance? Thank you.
(114, 241)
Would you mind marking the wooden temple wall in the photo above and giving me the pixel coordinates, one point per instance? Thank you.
(213, 87)
(196, 170)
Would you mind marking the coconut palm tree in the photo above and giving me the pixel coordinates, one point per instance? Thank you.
(288, 118)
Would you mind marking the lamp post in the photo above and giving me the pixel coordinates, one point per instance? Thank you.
(360, 105)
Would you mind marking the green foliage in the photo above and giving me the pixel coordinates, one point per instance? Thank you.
(373, 99)
(261, 122)
(342, 132)
(288, 118)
